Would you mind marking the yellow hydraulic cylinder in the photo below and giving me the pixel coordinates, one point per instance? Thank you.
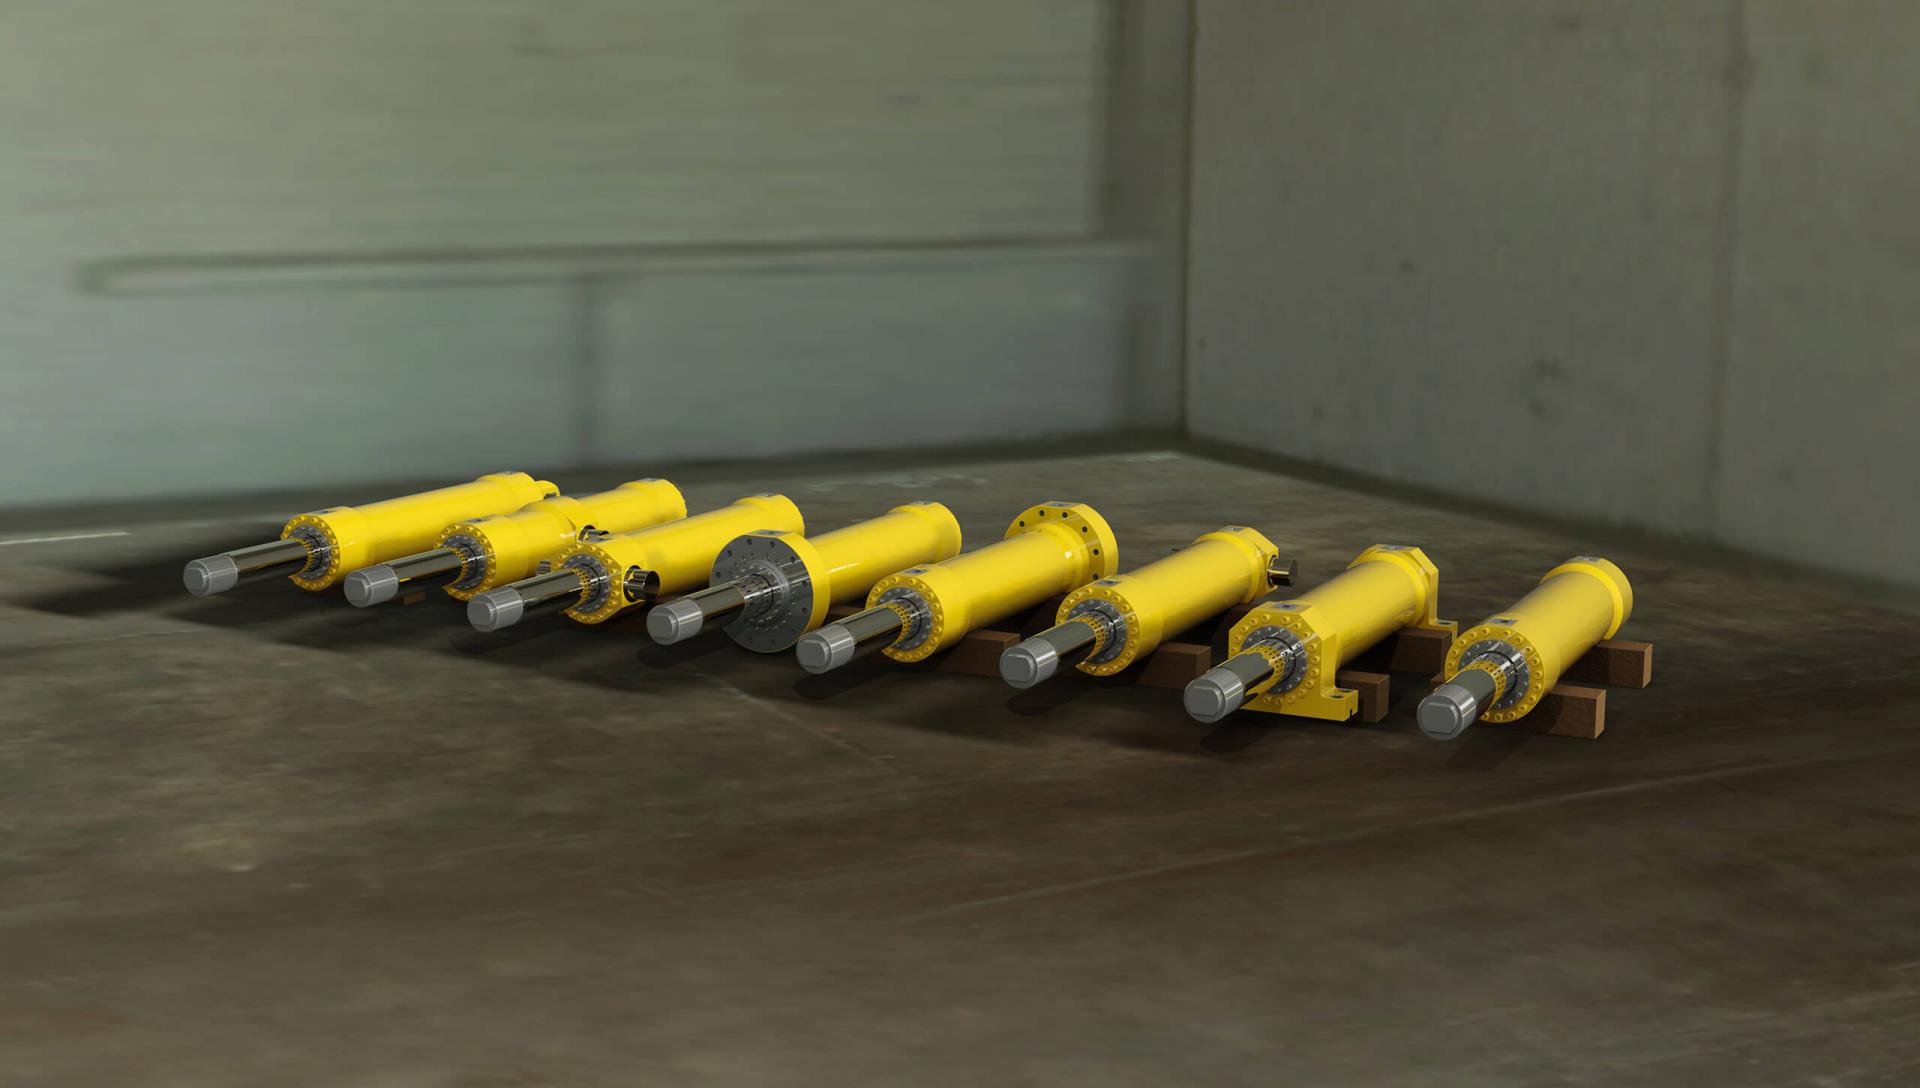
(1283, 655)
(317, 549)
(482, 553)
(1049, 549)
(778, 585)
(1499, 669)
(1107, 625)
(597, 578)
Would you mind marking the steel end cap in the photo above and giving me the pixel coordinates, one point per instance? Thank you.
(371, 585)
(675, 621)
(1446, 713)
(1213, 696)
(825, 650)
(214, 574)
(1027, 664)
(491, 611)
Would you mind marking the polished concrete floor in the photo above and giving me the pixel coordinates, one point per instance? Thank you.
(269, 839)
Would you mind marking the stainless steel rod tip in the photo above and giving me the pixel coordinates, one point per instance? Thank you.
(214, 574)
(1455, 704)
(826, 649)
(1030, 662)
(499, 608)
(1216, 694)
(675, 621)
(369, 586)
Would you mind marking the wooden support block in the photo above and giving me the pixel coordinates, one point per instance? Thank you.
(1569, 710)
(1373, 688)
(1408, 650)
(1033, 622)
(412, 597)
(1614, 663)
(977, 653)
(1174, 665)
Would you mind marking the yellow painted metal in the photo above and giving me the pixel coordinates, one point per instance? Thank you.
(1386, 588)
(1219, 570)
(845, 563)
(678, 555)
(360, 536)
(1049, 549)
(1577, 604)
(514, 544)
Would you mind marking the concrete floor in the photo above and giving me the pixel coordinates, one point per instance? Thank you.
(269, 839)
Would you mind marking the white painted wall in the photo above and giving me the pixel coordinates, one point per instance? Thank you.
(1644, 263)
(268, 243)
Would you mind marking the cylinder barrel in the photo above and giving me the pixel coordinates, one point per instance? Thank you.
(376, 532)
(859, 555)
(679, 554)
(1219, 570)
(1576, 605)
(1378, 595)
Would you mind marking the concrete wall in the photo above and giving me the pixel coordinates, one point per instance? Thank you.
(267, 243)
(1647, 263)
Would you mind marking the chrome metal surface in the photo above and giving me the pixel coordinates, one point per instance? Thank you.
(856, 636)
(1039, 657)
(219, 573)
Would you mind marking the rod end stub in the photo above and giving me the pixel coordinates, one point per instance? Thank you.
(826, 649)
(1213, 696)
(214, 574)
(675, 621)
(1447, 712)
(373, 585)
(1029, 663)
(499, 608)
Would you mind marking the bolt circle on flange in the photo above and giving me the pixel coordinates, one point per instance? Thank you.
(322, 548)
(775, 621)
(1112, 625)
(476, 560)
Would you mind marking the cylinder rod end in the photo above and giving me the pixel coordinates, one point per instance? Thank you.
(499, 608)
(214, 574)
(1447, 712)
(675, 621)
(826, 649)
(373, 585)
(1216, 694)
(1029, 663)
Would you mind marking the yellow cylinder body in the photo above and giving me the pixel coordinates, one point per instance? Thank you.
(514, 544)
(351, 537)
(1050, 549)
(845, 563)
(1386, 588)
(1219, 570)
(1577, 604)
(678, 555)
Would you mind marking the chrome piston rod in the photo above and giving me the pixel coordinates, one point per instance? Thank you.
(1223, 689)
(858, 635)
(1039, 657)
(1460, 701)
(680, 619)
(381, 582)
(219, 573)
(543, 593)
